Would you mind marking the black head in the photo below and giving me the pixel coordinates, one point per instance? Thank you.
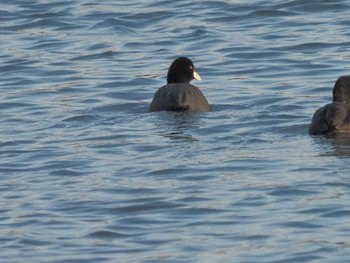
(341, 90)
(182, 71)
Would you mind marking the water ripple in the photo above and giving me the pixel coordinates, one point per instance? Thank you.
(88, 174)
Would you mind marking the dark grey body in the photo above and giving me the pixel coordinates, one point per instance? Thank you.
(179, 97)
(333, 117)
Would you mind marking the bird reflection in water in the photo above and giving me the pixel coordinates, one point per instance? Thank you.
(177, 126)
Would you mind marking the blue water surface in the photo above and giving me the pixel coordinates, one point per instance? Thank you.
(87, 174)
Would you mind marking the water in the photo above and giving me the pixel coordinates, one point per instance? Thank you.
(89, 175)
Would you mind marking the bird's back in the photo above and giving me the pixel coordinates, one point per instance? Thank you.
(179, 97)
(331, 117)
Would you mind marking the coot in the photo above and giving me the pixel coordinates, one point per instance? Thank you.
(178, 94)
(334, 117)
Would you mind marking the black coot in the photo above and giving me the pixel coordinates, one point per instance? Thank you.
(334, 117)
(178, 94)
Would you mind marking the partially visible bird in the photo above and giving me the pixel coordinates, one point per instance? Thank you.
(335, 116)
